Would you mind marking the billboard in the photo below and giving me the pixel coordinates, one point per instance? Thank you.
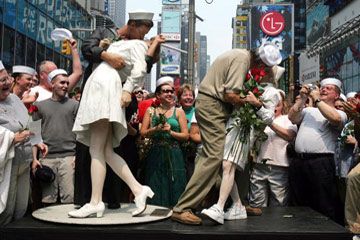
(316, 22)
(273, 23)
(170, 59)
(309, 69)
(171, 21)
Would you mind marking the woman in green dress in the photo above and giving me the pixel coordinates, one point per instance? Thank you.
(164, 165)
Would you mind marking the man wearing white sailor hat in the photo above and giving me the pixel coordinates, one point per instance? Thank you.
(59, 111)
(218, 91)
(313, 172)
(350, 96)
(43, 90)
(22, 79)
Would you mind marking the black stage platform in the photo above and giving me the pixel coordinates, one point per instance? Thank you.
(275, 224)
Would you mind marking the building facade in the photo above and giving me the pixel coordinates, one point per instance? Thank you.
(117, 11)
(26, 25)
(338, 44)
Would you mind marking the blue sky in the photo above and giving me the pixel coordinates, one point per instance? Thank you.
(216, 26)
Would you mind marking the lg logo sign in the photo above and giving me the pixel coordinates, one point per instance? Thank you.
(272, 23)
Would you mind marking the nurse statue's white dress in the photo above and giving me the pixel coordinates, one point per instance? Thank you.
(103, 89)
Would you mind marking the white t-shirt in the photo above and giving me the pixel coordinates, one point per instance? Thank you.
(43, 93)
(316, 134)
(274, 147)
(193, 120)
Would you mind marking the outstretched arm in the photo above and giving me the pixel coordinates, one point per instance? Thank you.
(76, 74)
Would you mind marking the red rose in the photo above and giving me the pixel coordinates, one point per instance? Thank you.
(248, 77)
(254, 71)
(262, 73)
(156, 103)
(257, 78)
(255, 91)
(33, 109)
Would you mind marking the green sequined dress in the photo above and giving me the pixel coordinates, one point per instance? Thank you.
(164, 167)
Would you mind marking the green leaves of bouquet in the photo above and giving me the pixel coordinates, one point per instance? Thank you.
(246, 119)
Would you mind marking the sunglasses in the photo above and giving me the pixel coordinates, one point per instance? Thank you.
(141, 92)
(167, 91)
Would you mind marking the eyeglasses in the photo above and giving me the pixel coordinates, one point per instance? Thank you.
(167, 91)
(5, 79)
(141, 92)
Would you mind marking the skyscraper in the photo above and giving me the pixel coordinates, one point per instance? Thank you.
(117, 11)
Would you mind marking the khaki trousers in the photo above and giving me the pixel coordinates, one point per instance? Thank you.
(63, 184)
(352, 199)
(211, 115)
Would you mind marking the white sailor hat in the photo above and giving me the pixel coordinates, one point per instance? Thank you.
(351, 94)
(56, 72)
(343, 97)
(141, 15)
(281, 92)
(1, 66)
(278, 72)
(332, 81)
(165, 79)
(270, 54)
(23, 69)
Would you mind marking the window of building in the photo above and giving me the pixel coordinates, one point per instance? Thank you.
(20, 49)
(32, 22)
(40, 53)
(41, 33)
(1, 10)
(50, 8)
(21, 16)
(65, 12)
(10, 13)
(9, 43)
(42, 5)
(49, 54)
(34, 2)
(57, 57)
(49, 28)
(57, 11)
(30, 53)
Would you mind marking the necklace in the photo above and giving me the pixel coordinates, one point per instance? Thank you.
(164, 110)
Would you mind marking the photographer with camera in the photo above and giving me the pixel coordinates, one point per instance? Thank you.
(312, 173)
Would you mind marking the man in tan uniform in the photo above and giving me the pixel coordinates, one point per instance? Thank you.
(218, 92)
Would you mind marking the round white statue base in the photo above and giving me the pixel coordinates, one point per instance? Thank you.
(59, 214)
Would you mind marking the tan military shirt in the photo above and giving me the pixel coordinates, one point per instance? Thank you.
(226, 74)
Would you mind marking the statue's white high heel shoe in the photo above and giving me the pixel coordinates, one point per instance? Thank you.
(140, 201)
(88, 210)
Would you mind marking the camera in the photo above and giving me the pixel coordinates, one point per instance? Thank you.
(311, 86)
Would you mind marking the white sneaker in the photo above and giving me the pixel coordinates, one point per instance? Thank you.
(214, 213)
(140, 201)
(235, 212)
(88, 210)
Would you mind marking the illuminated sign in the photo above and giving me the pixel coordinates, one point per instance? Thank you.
(272, 23)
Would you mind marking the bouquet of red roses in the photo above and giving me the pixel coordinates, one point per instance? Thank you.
(249, 127)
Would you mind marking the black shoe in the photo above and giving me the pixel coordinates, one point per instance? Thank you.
(113, 205)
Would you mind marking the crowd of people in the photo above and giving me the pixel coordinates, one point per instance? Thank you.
(110, 141)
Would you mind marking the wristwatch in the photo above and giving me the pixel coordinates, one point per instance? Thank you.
(258, 108)
(317, 101)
